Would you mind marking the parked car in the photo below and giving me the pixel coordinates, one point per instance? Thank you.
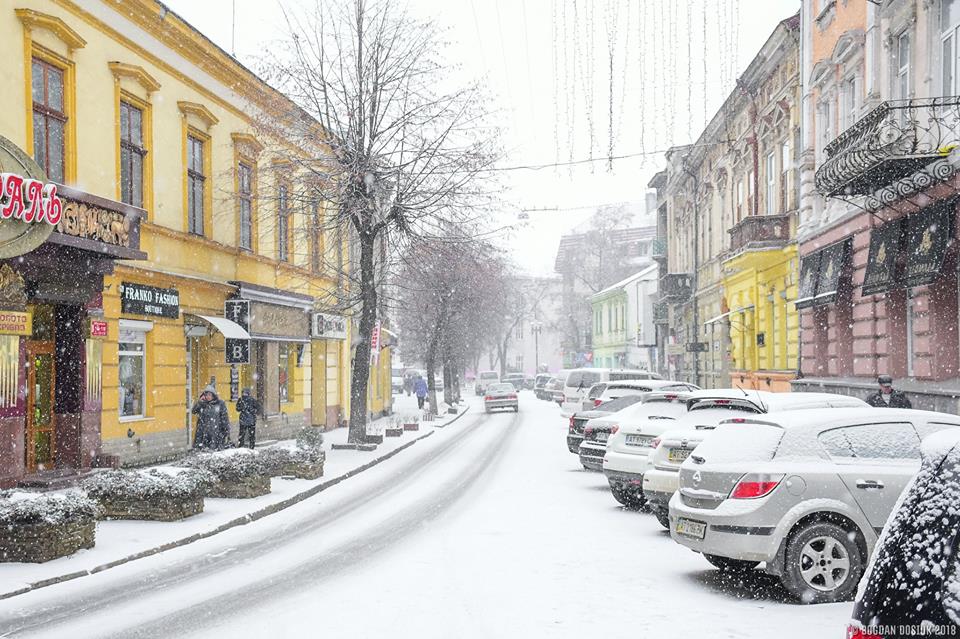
(528, 382)
(556, 390)
(484, 379)
(514, 378)
(705, 410)
(499, 396)
(612, 390)
(579, 380)
(578, 421)
(592, 398)
(539, 385)
(803, 491)
(912, 579)
(627, 450)
(396, 380)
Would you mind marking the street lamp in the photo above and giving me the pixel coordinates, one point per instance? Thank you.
(535, 327)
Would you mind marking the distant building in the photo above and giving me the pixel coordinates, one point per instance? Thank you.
(624, 335)
(536, 341)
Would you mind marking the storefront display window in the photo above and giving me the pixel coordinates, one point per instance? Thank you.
(132, 366)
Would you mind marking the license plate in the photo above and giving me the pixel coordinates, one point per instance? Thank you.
(638, 440)
(678, 454)
(602, 437)
(691, 528)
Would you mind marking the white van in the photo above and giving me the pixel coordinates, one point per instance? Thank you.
(579, 381)
(484, 379)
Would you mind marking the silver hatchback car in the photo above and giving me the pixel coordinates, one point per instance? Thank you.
(804, 492)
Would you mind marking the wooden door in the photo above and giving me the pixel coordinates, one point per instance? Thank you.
(41, 440)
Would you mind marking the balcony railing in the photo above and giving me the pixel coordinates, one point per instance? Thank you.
(893, 141)
(760, 231)
(676, 286)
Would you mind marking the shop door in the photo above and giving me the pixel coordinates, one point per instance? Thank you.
(41, 421)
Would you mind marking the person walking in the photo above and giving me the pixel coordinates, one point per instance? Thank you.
(408, 384)
(213, 422)
(248, 408)
(887, 397)
(420, 388)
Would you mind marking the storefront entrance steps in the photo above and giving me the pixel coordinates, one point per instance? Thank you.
(58, 479)
(122, 542)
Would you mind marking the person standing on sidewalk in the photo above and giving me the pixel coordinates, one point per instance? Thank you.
(212, 421)
(420, 388)
(887, 397)
(248, 408)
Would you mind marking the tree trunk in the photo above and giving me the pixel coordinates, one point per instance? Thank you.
(361, 361)
(431, 367)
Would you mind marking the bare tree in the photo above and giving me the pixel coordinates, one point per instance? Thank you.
(394, 148)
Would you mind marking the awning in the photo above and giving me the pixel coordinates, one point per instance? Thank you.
(833, 260)
(809, 274)
(229, 329)
(882, 260)
(717, 318)
(928, 233)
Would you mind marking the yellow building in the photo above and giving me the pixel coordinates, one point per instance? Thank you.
(128, 102)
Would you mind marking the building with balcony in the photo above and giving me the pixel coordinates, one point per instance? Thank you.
(878, 290)
(624, 333)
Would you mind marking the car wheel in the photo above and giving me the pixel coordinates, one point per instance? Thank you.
(822, 564)
(730, 565)
(662, 516)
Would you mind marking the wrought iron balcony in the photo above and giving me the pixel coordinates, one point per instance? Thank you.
(759, 231)
(658, 249)
(676, 286)
(893, 141)
(661, 313)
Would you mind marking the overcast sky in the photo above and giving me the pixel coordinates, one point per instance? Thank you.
(547, 64)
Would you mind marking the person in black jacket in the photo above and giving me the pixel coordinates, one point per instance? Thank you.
(213, 422)
(887, 397)
(248, 408)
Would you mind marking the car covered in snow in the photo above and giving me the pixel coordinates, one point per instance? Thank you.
(499, 396)
(554, 390)
(540, 384)
(913, 579)
(605, 391)
(805, 492)
(578, 421)
(578, 381)
(707, 409)
(514, 378)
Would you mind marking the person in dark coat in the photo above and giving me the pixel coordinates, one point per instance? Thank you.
(248, 408)
(420, 388)
(213, 422)
(887, 397)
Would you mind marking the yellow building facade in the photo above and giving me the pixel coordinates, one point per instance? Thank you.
(155, 115)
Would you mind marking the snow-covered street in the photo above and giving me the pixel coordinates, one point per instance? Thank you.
(488, 529)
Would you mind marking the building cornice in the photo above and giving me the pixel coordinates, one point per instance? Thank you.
(136, 73)
(35, 20)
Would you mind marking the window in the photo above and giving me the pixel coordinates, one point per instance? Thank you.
(950, 31)
(283, 223)
(195, 185)
(316, 235)
(49, 119)
(849, 103)
(283, 377)
(520, 330)
(245, 187)
(825, 126)
(610, 327)
(132, 153)
(872, 441)
(902, 89)
(739, 210)
(785, 163)
(771, 174)
(751, 193)
(132, 366)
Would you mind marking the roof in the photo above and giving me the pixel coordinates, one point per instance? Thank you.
(649, 272)
(573, 241)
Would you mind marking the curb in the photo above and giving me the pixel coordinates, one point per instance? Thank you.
(233, 523)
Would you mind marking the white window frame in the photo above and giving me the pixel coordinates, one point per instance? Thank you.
(771, 173)
(133, 332)
(948, 63)
(902, 83)
(849, 102)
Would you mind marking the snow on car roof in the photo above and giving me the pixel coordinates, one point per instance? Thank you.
(769, 402)
(940, 443)
(642, 383)
(832, 416)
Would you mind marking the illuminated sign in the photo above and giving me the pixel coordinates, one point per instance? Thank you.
(15, 323)
(29, 200)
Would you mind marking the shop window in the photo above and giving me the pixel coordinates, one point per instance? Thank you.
(283, 224)
(132, 154)
(9, 370)
(49, 118)
(196, 184)
(285, 370)
(245, 195)
(132, 351)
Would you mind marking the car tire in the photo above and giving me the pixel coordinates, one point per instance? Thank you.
(662, 516)
(730, 565)
(817, 543)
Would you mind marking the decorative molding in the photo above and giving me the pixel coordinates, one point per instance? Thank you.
(199, 111)
(35, 20)
(137, 73)
(248, 141)
(939, 171)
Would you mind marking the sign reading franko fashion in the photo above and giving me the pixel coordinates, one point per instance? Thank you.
(138, 299)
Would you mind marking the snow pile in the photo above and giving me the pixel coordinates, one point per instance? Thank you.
(227, 465)
(189, 483)
(51, 508)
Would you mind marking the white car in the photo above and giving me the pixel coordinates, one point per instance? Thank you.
(605, 391)
(485, 379)
(579, 381)
(661, 480)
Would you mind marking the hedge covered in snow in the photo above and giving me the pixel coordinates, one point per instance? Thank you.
(304, 460)
(227, 465)
(38, 527)
(187, 483)
(50, 508)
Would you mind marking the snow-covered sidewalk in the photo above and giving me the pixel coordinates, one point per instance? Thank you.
(119, 542)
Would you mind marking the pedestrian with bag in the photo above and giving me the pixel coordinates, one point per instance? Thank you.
(213, 422)
(248, 408)
(420, 388)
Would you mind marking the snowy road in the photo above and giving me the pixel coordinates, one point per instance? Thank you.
(487, 529)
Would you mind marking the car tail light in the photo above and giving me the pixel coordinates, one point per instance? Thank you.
(737, 420)
(488, 398)
(596, 403)
(655, 443)
(721, 402)
(857, 632)
(570, 428)
(613, 431)
(755, 485)
(669, 398)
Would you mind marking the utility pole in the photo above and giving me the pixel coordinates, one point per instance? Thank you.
(535, 327)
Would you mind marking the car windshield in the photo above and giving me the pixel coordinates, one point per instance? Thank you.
(501, 388)
(582, 379)
(619, 403)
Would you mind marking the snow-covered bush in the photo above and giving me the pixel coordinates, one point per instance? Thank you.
(310, 438)
(46, 508)
(187, 483)
(227, 465)
(38, 527)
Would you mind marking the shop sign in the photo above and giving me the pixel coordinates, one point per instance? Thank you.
(235, 383)
(237, 351)
(882, 261)
(928, 233)
(833, 262)
(30, 208)
(16, 323)
(375, 344)
(675, 349)
(238, 312)
(91, 222)
(270, 320)
(98, 328)
(138, 299)
(329, 326)
(30, 200)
